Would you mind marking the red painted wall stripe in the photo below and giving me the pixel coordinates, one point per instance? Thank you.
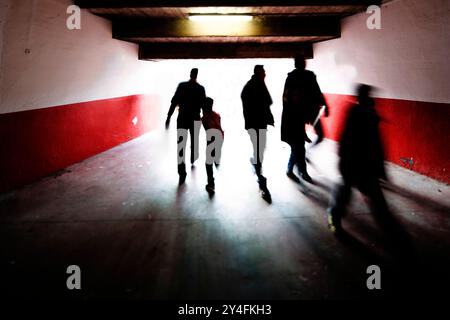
(410, 130)
(36, 143)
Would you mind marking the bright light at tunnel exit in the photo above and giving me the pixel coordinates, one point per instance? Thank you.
(220, 18)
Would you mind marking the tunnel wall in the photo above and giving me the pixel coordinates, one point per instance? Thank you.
(407, 61)
(65, 95)
(68, 94)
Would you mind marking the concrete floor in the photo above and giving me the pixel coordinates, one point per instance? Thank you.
(122, 218)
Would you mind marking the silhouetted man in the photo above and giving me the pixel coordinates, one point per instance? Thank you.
(361, 160)
(302, 100)
(256, 101)
(189, 97)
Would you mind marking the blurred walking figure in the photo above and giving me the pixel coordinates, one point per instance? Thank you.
(302, 102)
(190, 98)
(361, 161)
(256, 101)
(214, 140)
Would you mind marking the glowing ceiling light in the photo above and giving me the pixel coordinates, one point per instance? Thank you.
(220, 18)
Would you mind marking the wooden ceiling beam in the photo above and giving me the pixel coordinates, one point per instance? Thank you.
(261, 27)
(90, 4)
(189, 50)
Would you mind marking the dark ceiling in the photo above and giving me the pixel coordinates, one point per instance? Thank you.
(280, 28)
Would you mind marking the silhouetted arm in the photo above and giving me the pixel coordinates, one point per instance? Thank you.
(203, 100)
(169, 114)
(285, 93)
(327, 109)
(219, 124)
(173, 105)
(171, 110)
(244, 98)
(320, 97)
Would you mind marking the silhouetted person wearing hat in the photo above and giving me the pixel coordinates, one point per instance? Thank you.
(256, 101)
(361, 161)
(302, 100)
(190, 98)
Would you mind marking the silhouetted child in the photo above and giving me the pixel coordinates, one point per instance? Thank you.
(214, 140)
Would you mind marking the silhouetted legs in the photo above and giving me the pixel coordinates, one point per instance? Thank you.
(194, 132)
(377, 202)
(210, 170)
(181, 145)
(341, 198)
(258, 139)
(297, 157)
(291, 163)
(182, 132)
(210, 174)
(214, 141)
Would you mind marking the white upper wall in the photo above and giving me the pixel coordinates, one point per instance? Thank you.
(63, 66)
(407, 59)
(4, 9)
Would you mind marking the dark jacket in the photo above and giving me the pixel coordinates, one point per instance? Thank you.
(360, 150)
(302, 100)
(190, 97)
(256, 102)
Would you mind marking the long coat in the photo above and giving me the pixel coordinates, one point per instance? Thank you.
(256, 102)
(302, 99)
